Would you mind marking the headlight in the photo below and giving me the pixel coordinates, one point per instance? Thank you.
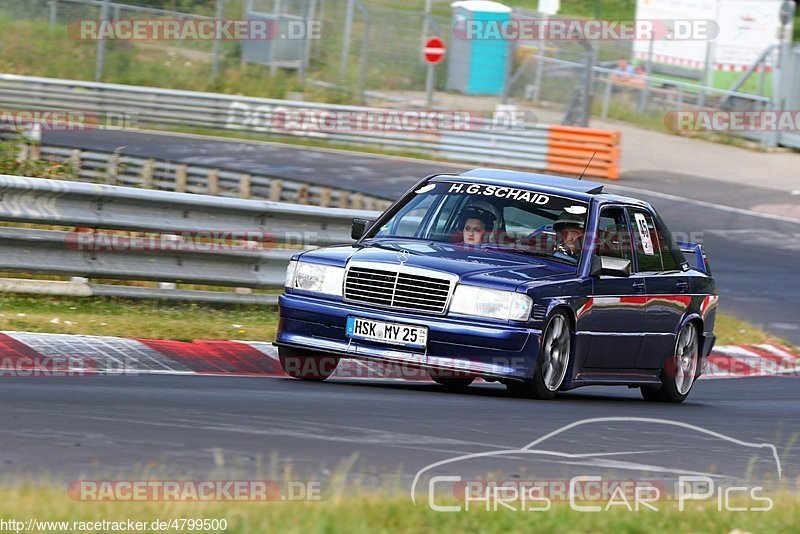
(494, 303)
(315, 277)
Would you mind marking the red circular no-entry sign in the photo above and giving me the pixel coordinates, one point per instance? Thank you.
(433, 50)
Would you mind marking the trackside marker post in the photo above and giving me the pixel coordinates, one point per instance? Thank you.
(433, 51)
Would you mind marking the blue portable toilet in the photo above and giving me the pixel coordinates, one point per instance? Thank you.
(478, 54)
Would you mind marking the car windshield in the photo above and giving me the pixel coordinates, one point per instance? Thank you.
(491, 217)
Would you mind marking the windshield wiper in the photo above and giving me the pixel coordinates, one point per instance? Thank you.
(532, 253)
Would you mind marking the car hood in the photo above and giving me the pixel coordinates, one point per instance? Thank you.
(480, 266)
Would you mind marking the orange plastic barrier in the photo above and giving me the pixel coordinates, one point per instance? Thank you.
(571, 147)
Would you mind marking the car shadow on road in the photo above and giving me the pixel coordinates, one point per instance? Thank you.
(616, 394)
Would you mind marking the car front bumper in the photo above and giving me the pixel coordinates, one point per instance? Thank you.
(468, 345)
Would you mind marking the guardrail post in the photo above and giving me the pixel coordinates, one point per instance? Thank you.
(112, 169)
(213, 182)
(75, 160)
(147, 173)
(244, 186)
(357, 201)
(325, 197)
(275, 190)
(302, 194)
(24, 152)
(180, 178)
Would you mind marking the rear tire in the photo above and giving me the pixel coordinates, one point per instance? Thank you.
(679, 371)
(307, 365)
(552, 363)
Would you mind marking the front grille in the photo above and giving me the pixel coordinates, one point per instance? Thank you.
(399, 287)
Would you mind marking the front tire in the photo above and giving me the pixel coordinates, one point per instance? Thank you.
(680, 370)
(552, 363)
(307, 365)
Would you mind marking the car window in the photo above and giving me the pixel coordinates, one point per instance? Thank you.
(447, 215)
(613, 238)
(646, 242)
(517, 219)
(668, 253)
(522, 221)
(667, 258)
(408, 220)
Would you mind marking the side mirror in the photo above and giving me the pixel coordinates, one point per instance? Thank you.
(610, 266)
(360, 227)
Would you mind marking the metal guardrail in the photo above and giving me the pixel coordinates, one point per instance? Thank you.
(513, 145)
(122, 233)
(113, 168)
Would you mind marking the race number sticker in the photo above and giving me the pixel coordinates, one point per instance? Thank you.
(644, 233)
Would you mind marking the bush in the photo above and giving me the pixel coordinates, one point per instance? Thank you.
(13, 162)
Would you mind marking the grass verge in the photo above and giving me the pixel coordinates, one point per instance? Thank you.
(133, 318)
(379, 513)
(187, 321)
(731, 330)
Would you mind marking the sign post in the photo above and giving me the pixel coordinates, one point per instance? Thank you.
(433, 51)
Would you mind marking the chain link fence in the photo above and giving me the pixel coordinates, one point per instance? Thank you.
(363, 44)
(373, 47)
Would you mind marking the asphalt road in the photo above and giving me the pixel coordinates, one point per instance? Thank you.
(755, 258)
(364, 173)
(198, 426)
(227, 426)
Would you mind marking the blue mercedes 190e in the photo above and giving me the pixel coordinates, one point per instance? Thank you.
(541, 283)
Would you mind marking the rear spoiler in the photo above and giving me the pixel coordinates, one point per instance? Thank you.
(696, 256)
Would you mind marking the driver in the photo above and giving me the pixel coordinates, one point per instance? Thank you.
(569, 230)
(475, 223)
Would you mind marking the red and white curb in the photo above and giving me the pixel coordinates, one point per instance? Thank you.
(33, 354)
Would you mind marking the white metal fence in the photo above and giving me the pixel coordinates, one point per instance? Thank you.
(502, 140)
(113, 168)
(108, 232)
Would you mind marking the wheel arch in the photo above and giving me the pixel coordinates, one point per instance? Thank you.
(693, 317)
(567, 309)
(697, 320)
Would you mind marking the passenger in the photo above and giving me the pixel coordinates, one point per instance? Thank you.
(475, 223)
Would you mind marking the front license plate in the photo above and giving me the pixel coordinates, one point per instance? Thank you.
(393, 333)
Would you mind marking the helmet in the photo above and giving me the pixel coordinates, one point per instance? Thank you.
(569, 219)
(475, 212)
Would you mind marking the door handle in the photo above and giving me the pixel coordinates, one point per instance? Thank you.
(683, 287)
(638, 286)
